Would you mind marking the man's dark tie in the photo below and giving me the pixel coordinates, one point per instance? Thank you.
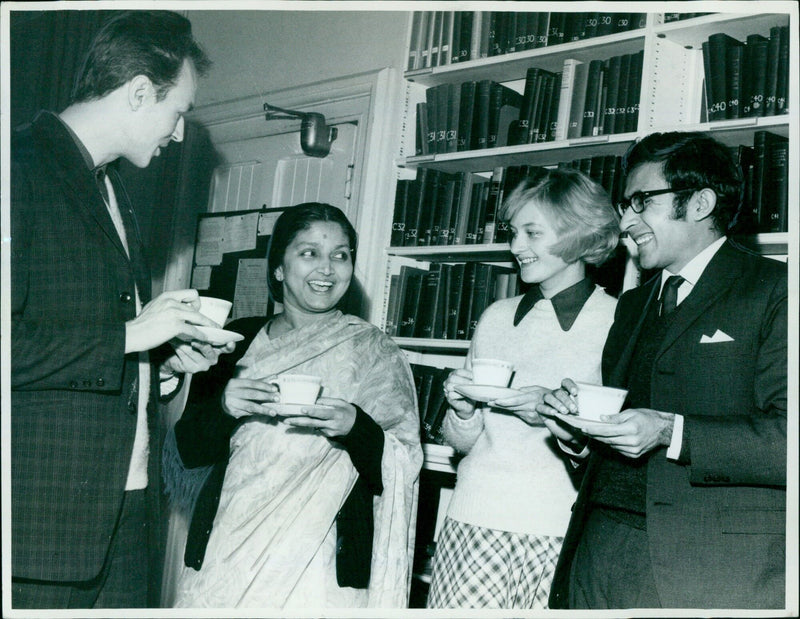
(669, 296)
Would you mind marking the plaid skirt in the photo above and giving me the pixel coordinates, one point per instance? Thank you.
(476, 567)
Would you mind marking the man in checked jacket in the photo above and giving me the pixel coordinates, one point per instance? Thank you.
(88, 344)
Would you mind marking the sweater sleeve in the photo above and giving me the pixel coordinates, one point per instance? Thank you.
(364, 444)
(460, 433)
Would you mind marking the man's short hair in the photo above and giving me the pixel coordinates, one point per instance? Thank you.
(580, 209)
(689, 160)
(151, 43)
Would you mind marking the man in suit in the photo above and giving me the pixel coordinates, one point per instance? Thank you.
(683, 500)
(85, 333)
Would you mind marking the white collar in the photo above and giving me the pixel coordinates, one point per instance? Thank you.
(693, 269)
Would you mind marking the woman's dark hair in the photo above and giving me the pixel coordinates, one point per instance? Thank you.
(693, 160)
(151, 43)
(290, 223)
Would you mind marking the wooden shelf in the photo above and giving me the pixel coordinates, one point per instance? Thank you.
(768, 243)
(508, 67)
(730, 132)
(431, 345)
(439, 458)
(481, 252)
(544, 153)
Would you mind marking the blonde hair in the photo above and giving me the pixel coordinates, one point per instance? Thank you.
(579, 208)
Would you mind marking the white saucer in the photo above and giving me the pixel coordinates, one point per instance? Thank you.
(591, 426)
(485, 393)
(220, 337)
(293, 410)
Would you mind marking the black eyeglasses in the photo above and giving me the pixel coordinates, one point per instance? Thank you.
(636, 201)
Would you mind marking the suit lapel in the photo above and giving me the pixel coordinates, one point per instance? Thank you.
(66, 159)
(721, 273)
(647, 294)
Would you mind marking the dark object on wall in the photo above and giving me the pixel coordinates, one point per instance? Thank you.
(315, 136)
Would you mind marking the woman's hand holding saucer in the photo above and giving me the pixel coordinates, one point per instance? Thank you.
(330, 417)
(248, 396)
(463, 408)
(523, 405)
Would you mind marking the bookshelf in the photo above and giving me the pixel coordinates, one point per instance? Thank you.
(672, 95)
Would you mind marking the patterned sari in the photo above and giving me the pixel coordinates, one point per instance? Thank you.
(273, 543)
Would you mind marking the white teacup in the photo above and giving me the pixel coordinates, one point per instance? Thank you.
(491, 372)
(298, 388)
(596, 400)
(215, 309)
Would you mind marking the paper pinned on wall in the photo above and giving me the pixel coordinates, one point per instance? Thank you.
(210, 235)
(240, 233)
(266, 223)
(201, 277)
(251, 297)
(208, 253)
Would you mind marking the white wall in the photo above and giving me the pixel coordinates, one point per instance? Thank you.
(264, 51)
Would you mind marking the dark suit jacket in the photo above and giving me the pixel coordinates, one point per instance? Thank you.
(715, 524)
(74, 393)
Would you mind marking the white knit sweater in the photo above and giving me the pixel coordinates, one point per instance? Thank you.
(514, 477)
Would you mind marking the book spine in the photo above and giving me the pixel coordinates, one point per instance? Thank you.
(465, 39)
(542, 30)
(733, 79)
(414, 48)
(757, 74)
(774, 204)
(578, 101)
(592, 97)
(399, 215)
(455, 37)
(759, 166)
(432, 115)
(612, 99)
(454, 289)
(771, 78)
(492, 204)
(782, 88)
(446, 44)
(453, 112)
(414, 208)
(634, 92)
(462, 329)
(428, 213)
(565, 97)
(439, 326)
(445, 209)
(717, 53)
(421, 142)
(480, 127)
(552, 110)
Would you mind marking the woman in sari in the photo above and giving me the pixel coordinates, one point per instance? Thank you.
(310, 508)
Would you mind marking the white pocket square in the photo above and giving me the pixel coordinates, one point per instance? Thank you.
(719, 336)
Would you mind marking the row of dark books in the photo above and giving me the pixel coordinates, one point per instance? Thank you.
(467, 116)
(432, 404)
(440, 208)
(446, 37)
(601, 97)
(585, 99)
(446, 300)
(765, 168)
(745, 79)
